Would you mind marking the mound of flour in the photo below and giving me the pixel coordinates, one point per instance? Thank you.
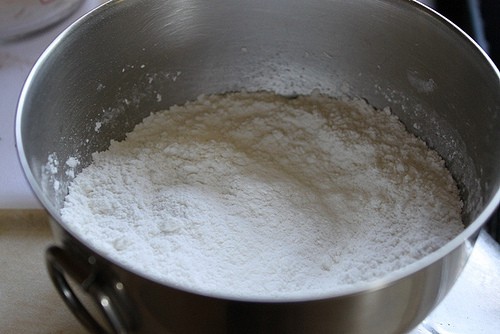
(257, 195)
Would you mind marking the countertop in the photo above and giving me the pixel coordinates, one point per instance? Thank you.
(28, 301)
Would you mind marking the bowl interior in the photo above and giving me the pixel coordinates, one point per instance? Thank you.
(128, 59)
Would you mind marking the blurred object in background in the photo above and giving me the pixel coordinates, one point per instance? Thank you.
(430, 3)
(19, 18)
(490, 14)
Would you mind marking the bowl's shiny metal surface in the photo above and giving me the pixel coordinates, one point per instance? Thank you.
(129, 58)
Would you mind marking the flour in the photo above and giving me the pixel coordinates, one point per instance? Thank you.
(256, 195)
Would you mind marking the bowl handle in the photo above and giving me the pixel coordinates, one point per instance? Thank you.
(60, 265)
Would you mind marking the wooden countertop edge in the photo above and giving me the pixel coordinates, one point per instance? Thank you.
(23, 216)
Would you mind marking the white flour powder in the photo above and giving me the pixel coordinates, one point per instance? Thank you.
(255, 195)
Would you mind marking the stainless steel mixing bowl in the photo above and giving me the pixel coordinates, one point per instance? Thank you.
(128, 58)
